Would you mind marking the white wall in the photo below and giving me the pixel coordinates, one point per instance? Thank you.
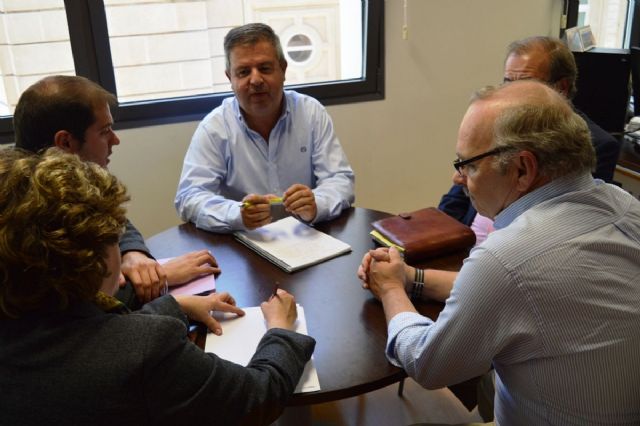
(400, 148)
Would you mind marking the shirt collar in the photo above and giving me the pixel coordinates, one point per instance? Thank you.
(559, 186)
(285, 111)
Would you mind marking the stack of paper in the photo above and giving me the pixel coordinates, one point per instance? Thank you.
(241, 336)
(292, 245)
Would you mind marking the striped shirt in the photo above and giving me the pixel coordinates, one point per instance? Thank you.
(552, 300)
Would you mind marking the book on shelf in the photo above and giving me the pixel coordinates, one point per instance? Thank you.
(291, 244)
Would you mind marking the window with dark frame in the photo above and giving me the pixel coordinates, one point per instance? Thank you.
(92, 57)
(616, 23)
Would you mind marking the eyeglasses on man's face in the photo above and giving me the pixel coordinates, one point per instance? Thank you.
(459, 165)
(550, 82)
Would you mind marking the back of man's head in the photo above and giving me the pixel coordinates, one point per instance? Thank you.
(57, 103)
(532, 116)
(250, 34)
(561, 63)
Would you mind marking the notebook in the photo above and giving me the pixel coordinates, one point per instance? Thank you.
(291, 244)
(423, 233)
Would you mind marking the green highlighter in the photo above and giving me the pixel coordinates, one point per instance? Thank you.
(272, 201)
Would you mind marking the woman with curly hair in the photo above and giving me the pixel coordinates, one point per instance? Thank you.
(71, 354)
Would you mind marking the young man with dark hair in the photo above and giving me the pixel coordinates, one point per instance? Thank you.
(74, 114)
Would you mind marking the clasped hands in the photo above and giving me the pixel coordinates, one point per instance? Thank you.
(298, 200)
(383, 270)
(279, 311)
(384, 273)
(149, 278)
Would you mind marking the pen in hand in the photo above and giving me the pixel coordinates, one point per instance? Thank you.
(275, 291)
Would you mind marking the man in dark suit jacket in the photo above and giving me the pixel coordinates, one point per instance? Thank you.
(546, 59)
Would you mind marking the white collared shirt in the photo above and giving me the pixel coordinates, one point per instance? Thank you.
(226, 160)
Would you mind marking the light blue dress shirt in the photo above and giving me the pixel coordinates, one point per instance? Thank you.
(552, 300)
(226, 160)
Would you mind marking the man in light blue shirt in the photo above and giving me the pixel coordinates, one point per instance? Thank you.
(262, 145)
(551, 297)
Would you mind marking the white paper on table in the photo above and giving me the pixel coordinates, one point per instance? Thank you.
(241, 336)
(206, 283)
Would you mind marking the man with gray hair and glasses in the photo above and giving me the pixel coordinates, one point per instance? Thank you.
(263, 146)
(549, 60)
(551, 298)
(545, 59)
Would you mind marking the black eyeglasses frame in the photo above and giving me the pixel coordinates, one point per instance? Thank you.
(459, 164)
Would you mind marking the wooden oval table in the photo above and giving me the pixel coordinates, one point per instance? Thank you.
(346, 321)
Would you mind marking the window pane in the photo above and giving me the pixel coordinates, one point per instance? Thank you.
(607, 18)
(298, 49)
(34, 42)
(166, 49)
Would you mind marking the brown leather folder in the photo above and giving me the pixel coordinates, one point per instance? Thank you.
(425, 233)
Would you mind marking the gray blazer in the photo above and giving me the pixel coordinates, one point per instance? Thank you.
(85, 367)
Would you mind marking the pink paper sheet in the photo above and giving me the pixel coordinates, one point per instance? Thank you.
(206, 283)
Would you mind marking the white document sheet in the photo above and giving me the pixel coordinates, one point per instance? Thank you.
(241, 336)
